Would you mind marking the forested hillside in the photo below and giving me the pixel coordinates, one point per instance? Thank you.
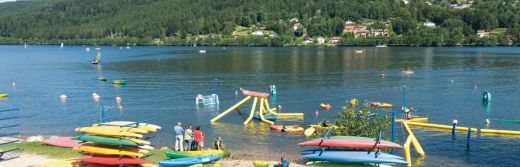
(262, 22)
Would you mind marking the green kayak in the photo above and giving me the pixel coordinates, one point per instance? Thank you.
(105, 140)
(182, 154)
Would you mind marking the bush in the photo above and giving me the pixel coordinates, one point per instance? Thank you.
(358, 120)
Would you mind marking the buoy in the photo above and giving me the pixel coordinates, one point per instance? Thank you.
(95, 95)
(118, 99)
(63, 98)
(316, 113)
(280, 107)
(14, 84)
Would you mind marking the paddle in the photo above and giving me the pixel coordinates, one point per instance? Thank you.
(326, 136)
(378, 141)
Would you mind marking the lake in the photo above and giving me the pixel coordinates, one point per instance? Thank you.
(162, 83)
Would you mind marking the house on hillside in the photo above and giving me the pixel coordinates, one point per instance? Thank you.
(482, 33)
(335, 40)
(294, 20)
(295, 26)
(257, 33)
(378, 32)
(307, 41)
(349, 22)
(320, 40)
(429, 24)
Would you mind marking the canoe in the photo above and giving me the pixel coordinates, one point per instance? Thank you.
(258, 163)
(62, 141)
(202, 159)
(130, 123)
(103, 131)
(354, 157)
(350, 143)
(106, 151)
(112, 160)
(119, 82)
(105, 140)
(325, 106)
(380, 105)
(182, 154)
(290, 128)
(268, 117)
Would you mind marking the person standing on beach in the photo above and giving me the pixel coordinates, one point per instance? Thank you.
(188, 138)
(198, 137)
(284, 162)
(179, 133)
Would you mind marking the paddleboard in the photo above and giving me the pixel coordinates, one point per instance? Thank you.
(182, 154)
(62, 141)
(107, 132)
(105, 140)
(202, 159)
(354, 157)
(350, 143)
(112, 160)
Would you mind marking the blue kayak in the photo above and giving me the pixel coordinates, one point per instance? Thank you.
(187, 161)
(268, 117)
(354, 157)
(318, 150)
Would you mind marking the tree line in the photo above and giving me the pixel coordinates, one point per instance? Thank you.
(179, 22)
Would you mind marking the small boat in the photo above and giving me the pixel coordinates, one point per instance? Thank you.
(187, 161)
(381, 46)
(359, 51)
(61, 46)
(283, 128)
(183, 154)
(119, 82)
(325, 106)
(202, 51)
(2, 95)
(97, 58)
(407, 71)
(380, 105)
(101, 78)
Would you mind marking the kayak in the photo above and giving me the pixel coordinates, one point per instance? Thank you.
(182, 154)
(63, 141)
(186, 161)
(112, 160)
(381, 105)
(258, 163)
(119, 82)
(283, 128)
(354, 143)
(354, 157)
(325, 106)
(105, 140)
(107, 132)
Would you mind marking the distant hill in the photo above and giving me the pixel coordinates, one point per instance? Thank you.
(273, 22)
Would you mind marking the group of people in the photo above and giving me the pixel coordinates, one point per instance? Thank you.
(189, 140)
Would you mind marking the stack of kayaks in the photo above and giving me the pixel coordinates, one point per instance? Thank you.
(114, 143)
(350, 149)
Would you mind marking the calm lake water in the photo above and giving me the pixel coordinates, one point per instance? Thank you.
(162, 83)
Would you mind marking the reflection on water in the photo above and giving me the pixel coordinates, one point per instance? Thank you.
(163, 81)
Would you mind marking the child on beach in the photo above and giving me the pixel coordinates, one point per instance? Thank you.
(198, 137)
(218, 143)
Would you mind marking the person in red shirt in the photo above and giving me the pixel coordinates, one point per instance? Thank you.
(198, 137)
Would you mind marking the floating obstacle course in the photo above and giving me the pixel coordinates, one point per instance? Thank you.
(264, 107)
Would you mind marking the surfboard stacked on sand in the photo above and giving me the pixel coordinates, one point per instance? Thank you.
(116, 143)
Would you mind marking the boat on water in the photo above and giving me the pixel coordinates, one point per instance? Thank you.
(325, 106)
(380, 104)
(119, 82)
(97, 59)
(2, 95)
(101, 78)
(381, 46)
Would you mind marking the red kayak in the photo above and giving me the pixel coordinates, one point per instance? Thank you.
(254, 94)
(325, 106)
(350, 143)
(112, 160)
(64, 141)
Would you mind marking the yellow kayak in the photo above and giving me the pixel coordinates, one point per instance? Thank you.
(107, 131)
(415, 119)
(3, 95)
(130, 149)
(125, 129)
(147, 126)
(137, 141)
(106, 151)
(59, 163)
